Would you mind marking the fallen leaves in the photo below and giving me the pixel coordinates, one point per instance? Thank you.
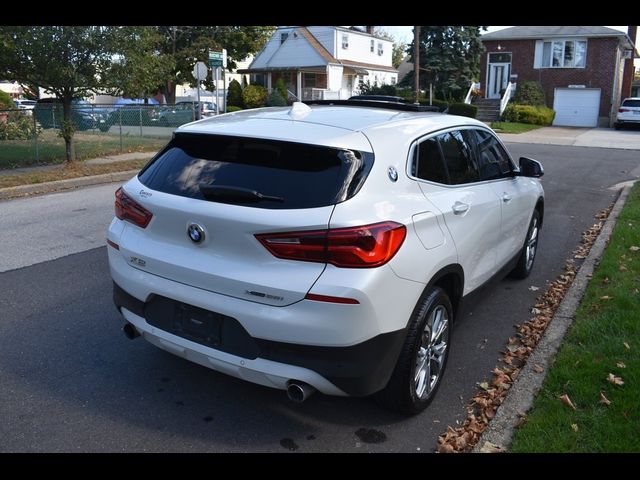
(611, 378)
(621, 365)
(483, 406)
(604, 400)
(605, 297)
(574, 427)
(633, 248)
(567, 401)
(533, 288)
(626, 345)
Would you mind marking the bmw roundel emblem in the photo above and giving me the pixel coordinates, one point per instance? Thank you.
(195, 232)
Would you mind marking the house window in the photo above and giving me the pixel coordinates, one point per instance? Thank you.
(373, 45)
(380, 48)
(564, 54)
(283, 37)
(345, 41)
(393, 80)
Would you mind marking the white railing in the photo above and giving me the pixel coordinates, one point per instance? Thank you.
(474, 86)
(319, 94)
(504, 101)
(292, 96)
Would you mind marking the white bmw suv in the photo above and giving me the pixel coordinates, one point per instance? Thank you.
(321, 247)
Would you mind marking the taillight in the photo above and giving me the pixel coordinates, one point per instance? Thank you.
(130, 210)
(623, 110)
(354, 247)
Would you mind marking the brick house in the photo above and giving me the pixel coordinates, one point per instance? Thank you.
(579, 67)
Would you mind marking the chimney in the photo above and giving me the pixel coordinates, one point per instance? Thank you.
(627, 76)
(369, 30)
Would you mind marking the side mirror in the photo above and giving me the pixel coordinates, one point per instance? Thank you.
(530, 168)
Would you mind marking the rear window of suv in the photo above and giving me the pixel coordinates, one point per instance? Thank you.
(631, 103)
(254, 172)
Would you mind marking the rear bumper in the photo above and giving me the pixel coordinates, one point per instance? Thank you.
(357, 370)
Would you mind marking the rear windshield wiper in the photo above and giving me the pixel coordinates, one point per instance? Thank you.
(225, 193)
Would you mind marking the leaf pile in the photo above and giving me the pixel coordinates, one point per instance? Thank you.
(482, 407)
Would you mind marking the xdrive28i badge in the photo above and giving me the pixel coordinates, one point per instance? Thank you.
(195, 232)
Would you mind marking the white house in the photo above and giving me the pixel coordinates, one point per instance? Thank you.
(323, 62)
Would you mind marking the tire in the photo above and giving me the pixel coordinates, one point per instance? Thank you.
(617, 126)
(407, 391)
(529, 249)
(104, 127)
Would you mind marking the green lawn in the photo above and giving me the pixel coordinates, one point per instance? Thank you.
(604, 339)
(513, 127)
(21, 153)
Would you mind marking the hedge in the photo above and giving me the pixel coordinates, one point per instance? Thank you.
(535, 115)
(254, 96)
(233, 108)
(463, 109)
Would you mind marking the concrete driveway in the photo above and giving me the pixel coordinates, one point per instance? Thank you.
(578, 137)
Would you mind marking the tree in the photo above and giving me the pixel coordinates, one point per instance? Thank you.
(449, 59)
(186, 45)
(69, 61)
(140, 70)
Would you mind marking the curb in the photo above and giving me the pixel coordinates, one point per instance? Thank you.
(47, 187)
(522, 393)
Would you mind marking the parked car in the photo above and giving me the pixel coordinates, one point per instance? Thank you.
(324, 247)
(207, 109)
(628, 113)
(133, 111)
(379, 98)
(26, 105)
(84, 115)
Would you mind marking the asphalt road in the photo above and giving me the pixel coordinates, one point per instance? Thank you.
(70, 381)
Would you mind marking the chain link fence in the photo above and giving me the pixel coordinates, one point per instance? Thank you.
(32, 136)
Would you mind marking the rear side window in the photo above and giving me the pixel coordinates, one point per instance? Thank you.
(459, 158)
(428, 162)
(493, 160)
(259, 173)
(631, 103)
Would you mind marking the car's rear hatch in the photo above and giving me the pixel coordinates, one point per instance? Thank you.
(215, 183)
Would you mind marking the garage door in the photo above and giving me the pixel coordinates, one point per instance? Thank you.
(576, 107)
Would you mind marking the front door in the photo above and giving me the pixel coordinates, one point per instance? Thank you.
(499, 70)
(498, 78)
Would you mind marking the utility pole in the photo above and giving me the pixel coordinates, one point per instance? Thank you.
(416, 64)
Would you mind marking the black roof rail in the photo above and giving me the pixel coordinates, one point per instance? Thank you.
(405, 107)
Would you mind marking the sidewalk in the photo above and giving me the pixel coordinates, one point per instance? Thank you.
(578, 137)
(94, 161)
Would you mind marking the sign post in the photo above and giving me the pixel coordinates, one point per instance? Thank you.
(217, 60)
(199, 73)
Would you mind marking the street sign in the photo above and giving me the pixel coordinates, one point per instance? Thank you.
(218, 59)
(199, 71)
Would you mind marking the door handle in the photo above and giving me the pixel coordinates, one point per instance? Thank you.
(459, 208)
(506, 198)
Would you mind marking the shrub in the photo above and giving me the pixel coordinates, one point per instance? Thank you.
(529, 93)
(367, 89)
(18, 126)
(254, 96)
(234, 97)
(281, 87)
(233, 108)
(441, 104)
(535, 115)
(463, 109)
(6, 101)
(275, 99)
